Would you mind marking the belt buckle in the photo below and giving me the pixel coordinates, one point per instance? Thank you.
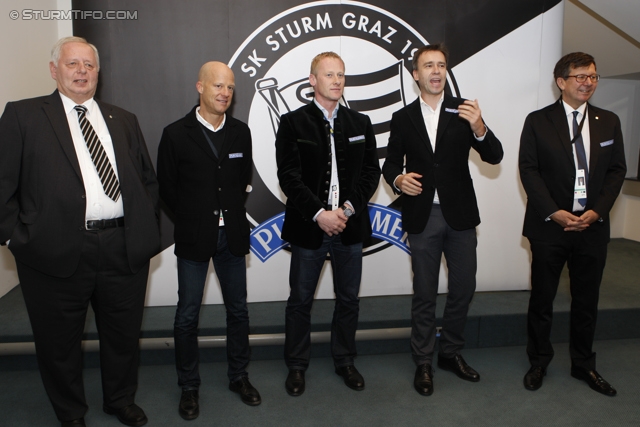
(96, 225)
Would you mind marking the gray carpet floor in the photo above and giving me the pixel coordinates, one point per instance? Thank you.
(499, 399)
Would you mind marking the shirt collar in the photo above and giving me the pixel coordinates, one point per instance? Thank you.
(440, 101)
(326, 112)
(568, 109)
(69, 105)
(209, 125)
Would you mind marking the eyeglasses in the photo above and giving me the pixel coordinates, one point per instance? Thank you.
(581, 78)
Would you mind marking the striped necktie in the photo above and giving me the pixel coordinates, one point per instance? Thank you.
(107, 176)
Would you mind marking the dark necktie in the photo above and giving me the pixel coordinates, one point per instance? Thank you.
(107, 176)
(580, 153)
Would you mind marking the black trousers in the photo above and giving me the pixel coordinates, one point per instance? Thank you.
(57, 309)
(586, 263)
(459, 249)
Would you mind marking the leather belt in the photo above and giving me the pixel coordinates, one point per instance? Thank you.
(101, 224)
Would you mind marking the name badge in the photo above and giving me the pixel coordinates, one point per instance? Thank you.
(606, 143)
(451, 110)
(235, 155)
(356, 138)
(580, 191)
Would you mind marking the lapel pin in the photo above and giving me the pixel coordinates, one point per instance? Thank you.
(597, 117)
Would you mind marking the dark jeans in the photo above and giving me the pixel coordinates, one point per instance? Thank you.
(232, 274)
(306, 266)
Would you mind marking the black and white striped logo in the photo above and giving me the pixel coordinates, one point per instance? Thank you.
(272, 69)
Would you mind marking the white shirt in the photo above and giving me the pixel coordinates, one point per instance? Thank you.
(586, 139)
(431, 118)
(207, 124)
(98, 204)
(334, 183)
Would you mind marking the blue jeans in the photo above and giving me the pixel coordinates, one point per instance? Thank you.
(306, 266)
(232, 274)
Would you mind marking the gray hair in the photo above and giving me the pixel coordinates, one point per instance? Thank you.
(55, 51)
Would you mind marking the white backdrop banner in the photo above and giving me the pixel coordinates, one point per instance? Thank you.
(510, 77)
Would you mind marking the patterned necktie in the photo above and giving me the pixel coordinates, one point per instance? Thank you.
(580, 154)
(107, 176)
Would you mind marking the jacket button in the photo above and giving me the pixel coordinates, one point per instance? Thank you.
(435, 165)
(216, 212)
(326, 191)
(219, 189)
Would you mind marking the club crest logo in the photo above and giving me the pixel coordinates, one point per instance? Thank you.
(377, 48)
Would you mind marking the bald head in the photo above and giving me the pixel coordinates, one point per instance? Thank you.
(216, 85)
(213, 68)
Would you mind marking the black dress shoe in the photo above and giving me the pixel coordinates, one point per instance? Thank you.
(595, 381)
(131, 415)
(189, 408)
(74, 423)
(423, 380)
(533, 378)
(248, 393)
(458, 366)
(295, 382)
(352, 377)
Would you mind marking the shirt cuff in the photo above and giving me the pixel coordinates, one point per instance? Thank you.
(394, 184)
(316, 215)
(481, 138)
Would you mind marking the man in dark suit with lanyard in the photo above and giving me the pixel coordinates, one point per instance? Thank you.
(572, 167)
(204, 169)
(439, 210)
(328, 169)
(78, 206)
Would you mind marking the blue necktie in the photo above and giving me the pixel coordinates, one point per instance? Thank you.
(580, 154)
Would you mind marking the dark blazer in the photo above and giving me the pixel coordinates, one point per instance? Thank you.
(446, 169)
(42, 196)
(547, 170)
(302, 153)
(196, 185)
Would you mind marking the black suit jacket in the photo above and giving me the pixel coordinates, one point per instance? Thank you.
(446, 169)
(302, 156)
(42, 196)
(196, 185)
(547, 170)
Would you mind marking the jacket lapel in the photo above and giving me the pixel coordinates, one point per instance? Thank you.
(415, 115)
(54, 110)
(595, 138)
(229, 137)
(195, 133)
(445, 117)
(559, 119)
